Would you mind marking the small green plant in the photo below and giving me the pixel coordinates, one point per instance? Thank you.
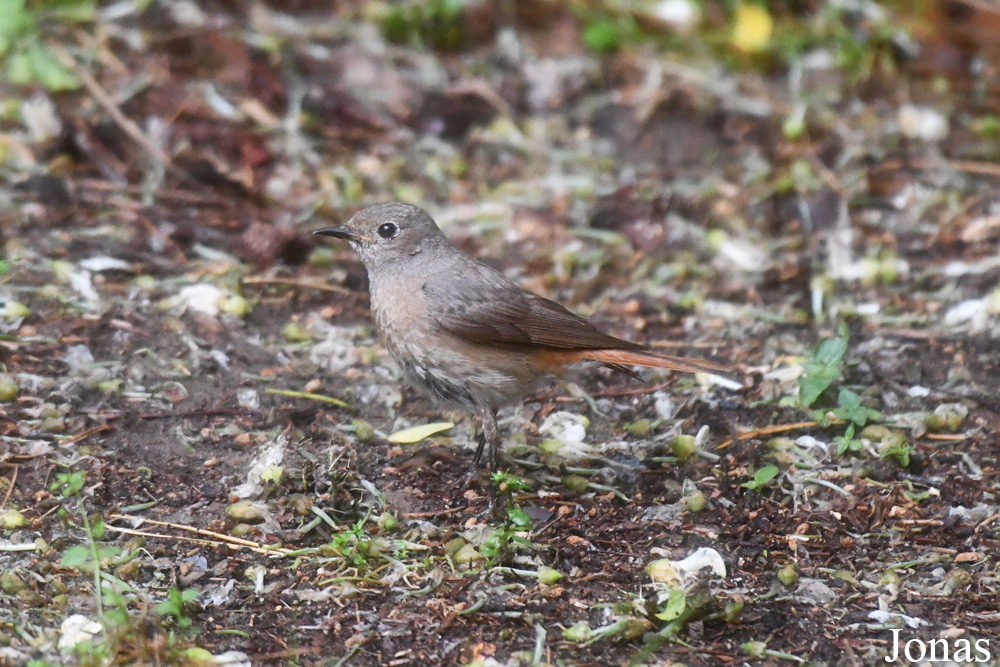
(761, 478)
(25, 55)
(822, 369)
(850, 410)
(175, 606)
(497, 547)
(92, 556)
(353, 544)
(847, 442)
(126, 637)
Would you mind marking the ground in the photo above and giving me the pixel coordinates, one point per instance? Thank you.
(197, 413)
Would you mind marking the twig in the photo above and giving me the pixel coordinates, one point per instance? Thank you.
(779, 428)
(201, 531)
(947, 437)
(191, 413)
(176, 538)
(630, 392)
(968, 166)
(305, 394)
(86, 434)
(102, 97)
(288, 653)
(422, 515)
(10, 490)
(167, 194)
(305, 284)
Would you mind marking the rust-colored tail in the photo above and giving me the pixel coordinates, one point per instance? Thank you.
(654, 360)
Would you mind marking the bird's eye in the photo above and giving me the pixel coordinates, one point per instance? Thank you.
(387, 230)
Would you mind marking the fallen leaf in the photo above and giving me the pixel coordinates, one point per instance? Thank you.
(408, 436)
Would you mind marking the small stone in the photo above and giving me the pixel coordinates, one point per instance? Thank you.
(247, 511)
(788, 575)
(639, 428)
(683, 446)
(10, 583)
(8, 388)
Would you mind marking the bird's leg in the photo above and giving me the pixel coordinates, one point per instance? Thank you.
(473, 472)
(491, 435)
(479, 451)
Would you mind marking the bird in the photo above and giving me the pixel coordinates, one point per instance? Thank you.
(464, 334)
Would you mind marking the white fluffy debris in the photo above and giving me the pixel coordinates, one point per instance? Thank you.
(77, 629)
(666, 571)
(267, 459)
(923, 123)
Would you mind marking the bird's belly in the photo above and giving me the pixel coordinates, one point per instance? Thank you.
(466, 376)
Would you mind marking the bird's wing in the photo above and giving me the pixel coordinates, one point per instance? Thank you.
(484, 307)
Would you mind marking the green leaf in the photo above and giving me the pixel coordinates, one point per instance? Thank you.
(19, 69)
(97, 528)
(71, 11)
(519, 519)
(675, 605)
(845, 441)
(14, 20)
(851, 409)
(48, 71)
(815, 381)
(848, 400)
(602, 36)
(831, 351)
(108, 552)
(510, 482)
(900, 454)
(762, 477)
(823, 368)
(75, 555)
(408, 436)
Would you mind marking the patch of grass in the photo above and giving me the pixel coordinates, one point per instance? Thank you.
(438, 23)
(127, 635)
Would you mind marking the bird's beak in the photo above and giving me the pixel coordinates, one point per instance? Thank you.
(340, 233)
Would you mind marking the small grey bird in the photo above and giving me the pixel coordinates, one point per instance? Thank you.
(465, 335)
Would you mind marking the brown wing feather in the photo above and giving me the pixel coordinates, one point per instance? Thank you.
(485, 307)
(489, 309)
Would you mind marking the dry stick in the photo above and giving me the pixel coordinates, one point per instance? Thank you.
(204, 412)
(969, 166)
(202, 531)
(783, 428)
(780, 428)
(307, 284)
(86, 434)
(102, 97)
(630, 392)
(143, 533)
(10, 490)
(163, 193)
(195, 540)
(288, 653)
(948, 437)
